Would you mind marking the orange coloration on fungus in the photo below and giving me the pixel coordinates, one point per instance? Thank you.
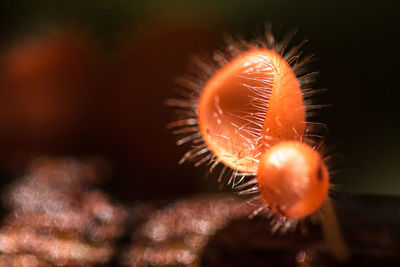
(251, 100)
(293, 179)
(250, 113)
(247, 110)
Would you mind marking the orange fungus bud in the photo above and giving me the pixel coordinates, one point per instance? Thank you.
(293, 179)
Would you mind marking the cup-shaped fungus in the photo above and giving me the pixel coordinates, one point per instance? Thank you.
(253, 99)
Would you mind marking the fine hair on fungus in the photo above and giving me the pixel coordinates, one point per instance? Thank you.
(248, 109)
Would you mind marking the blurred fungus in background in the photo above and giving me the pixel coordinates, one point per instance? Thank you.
(47, 83)
(64, 94)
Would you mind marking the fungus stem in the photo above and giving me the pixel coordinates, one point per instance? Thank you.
(332, 233)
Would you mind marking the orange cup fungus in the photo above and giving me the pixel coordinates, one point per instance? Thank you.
(251, 115)
(253, 99)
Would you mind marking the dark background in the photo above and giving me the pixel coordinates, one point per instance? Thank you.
(90, 78)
